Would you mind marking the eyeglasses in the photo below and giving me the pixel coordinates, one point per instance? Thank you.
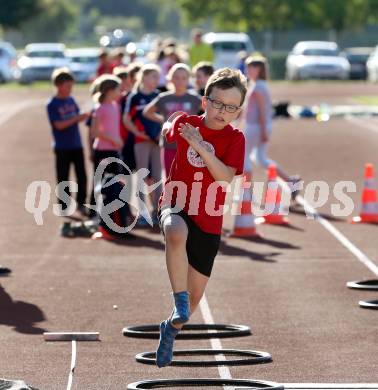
(219, 105)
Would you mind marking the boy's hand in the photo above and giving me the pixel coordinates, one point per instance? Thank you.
(168, 123)
(84, 116)
(192, 135)
(118, 143)
(144, 136)
(175, 115)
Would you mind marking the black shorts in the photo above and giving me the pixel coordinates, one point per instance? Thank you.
(201, 247)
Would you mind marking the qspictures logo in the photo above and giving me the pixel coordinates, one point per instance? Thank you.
(134, 188)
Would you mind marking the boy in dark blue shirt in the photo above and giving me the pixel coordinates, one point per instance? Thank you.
(64, 116)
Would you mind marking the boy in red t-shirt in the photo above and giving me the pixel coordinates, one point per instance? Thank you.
(210, 152)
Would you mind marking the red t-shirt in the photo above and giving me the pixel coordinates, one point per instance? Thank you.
(190, 185)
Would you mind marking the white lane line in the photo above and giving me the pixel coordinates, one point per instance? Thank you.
(16, 108)
(224, 371)
(73, 365)
(331, 386)
(365, 123)
(339, 236)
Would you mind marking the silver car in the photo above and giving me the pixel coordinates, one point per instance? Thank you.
(226, 47)
(83, 63)
(316, 60)
(39, 61)
(372, 66)
(8, 57)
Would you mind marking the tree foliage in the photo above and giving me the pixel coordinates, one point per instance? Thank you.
(13, 13)
(57, 18)
(255, 15)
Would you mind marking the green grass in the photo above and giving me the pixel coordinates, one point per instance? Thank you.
(369, 100)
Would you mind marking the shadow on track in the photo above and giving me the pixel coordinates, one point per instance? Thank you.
(20, 315)
(269, 242)
(135, 240)
(228, 250)
(298, 210)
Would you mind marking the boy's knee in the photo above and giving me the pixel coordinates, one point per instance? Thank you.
(175, 230)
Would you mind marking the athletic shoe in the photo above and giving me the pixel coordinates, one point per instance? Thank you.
(292, 182)
(4, 270)
(142, 223)
(155, 220)
(84, 211)
(181, 311)
(164, 353)
(66, 230)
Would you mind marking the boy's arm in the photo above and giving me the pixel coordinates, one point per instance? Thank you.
(62, 125)
(219, 170)
(150, 113)
(167, 125)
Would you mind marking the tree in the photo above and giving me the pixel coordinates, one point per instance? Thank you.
(58, 18)
(14, 13)
(255, 15)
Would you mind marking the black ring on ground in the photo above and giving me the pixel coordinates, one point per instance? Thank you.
(252, 357)
(369, 304)
(371, 284)
(223, 331)
(247, 383)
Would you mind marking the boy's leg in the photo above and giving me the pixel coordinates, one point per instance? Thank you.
(176, 234)
(81, 176)
(62, 167)
(197, 283)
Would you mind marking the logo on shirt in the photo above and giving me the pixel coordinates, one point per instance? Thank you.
(195, 159)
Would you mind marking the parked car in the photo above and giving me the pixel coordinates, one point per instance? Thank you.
(372, 66)
(39, 61)
(8, 59)
(316, 59)
(83, 63)
(357, 57)
(226, 47)
(116, 38)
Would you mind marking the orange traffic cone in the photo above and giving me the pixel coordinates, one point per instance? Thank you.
(275, 216)
(369, 207)
(245, 224)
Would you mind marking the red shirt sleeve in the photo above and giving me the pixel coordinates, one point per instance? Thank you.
(234, 156)
(172, 134)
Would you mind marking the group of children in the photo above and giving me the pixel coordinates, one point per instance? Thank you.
(191, 137)
(125, 122)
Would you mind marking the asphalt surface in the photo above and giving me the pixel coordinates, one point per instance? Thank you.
(289, 287)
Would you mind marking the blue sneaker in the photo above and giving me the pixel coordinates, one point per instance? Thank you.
(164, 353)
(181, 311)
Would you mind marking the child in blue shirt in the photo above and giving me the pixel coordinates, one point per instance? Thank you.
(64, 116)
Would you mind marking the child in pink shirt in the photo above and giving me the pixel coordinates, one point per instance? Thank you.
(105, 128)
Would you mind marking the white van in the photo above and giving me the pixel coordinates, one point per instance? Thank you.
(226, 47)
